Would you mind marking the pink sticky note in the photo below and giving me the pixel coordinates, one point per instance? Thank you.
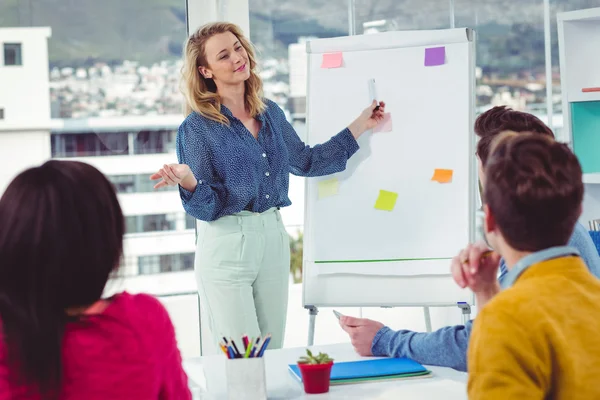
(385, 125)
(435, 56)
(332, 60)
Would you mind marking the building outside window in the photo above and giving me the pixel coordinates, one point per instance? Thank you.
(159, 222)
(156, 264)
(151, 223)
(84, 144)
(123, 183)
(190, 222)
(109, 85)
(152, 142)
(89, 144)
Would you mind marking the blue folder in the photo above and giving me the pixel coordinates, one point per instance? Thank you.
(366, 369)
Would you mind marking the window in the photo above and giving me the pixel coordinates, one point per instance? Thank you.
(159, 222)
(155, 264)
(110, 83)
(279, 30)
(89, 144)
(12, 54)
(152, 142)
(382, 16)
(153, 222)
(190, 222)
(123, 183)
(510, 52)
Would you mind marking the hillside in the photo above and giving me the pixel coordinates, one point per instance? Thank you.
(84, 31)
(107, 30)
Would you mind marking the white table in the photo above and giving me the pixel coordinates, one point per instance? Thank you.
(207, 375)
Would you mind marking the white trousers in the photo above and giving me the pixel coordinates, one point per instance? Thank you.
(242, 269)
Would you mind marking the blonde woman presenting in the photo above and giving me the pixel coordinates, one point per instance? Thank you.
(236, 151)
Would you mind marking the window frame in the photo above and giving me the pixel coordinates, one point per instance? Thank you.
(18, 54)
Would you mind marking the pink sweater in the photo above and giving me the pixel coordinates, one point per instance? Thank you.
(128, 352)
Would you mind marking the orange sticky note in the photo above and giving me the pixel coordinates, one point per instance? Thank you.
(442, 175)
(332, 60)
(385, 125)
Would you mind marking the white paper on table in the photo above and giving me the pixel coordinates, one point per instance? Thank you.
(445, 389)
(196, 376)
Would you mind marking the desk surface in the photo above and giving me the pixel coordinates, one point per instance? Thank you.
(208, 373)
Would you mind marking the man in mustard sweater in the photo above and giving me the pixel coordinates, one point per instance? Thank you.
(539, 337)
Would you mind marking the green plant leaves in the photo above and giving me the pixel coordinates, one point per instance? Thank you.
(321, 358)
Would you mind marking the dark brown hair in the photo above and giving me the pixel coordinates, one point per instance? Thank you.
(61, 236)
(533, 189)
(501, 118)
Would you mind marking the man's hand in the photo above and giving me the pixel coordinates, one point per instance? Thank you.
(476, 267)
(362, 332)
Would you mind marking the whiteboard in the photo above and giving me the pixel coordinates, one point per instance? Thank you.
(355, 254)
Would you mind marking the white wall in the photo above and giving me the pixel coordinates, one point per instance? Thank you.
(150, 203)
(157, 243)
(34, 149)
(25, 93)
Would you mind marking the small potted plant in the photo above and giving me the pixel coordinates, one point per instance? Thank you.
(316, 372)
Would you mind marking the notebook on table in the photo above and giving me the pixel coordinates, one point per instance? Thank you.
(371, 370)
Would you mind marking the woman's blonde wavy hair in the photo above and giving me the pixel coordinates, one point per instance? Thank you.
(201, 93)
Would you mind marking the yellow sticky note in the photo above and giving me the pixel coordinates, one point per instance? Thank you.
(386, 200)
(442, 175)
(328, 187)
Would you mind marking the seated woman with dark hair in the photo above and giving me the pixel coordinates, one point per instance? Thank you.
(61, 236)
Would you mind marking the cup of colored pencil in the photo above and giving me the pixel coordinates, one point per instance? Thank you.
(245, 367)
(250, 347)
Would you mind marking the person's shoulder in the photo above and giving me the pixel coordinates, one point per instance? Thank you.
(194, 120)
(269, 103)
(582, 241)
(272, 108)
(511, 302)
(580, 237)
(141, 304)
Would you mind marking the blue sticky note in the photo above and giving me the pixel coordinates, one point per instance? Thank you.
(435, 56)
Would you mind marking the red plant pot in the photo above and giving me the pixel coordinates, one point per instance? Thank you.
(316, 377)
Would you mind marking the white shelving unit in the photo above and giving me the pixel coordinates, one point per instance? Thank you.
(579, 45)
(591, 178)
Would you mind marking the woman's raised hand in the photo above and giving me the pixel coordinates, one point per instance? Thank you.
(368, 119)
(171, 175)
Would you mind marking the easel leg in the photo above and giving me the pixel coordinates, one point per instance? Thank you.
(466, 311)
(427, 319)
(312, 315)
